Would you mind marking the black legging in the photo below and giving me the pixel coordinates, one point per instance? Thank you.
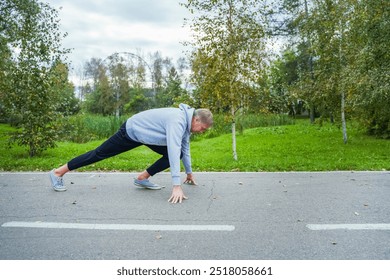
(120, 142)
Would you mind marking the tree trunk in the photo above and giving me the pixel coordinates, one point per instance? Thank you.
(312, 114)
(234, 145)
(343, 122)
(331, 118)
(310, 63)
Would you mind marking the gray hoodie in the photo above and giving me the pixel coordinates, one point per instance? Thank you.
(169, 127)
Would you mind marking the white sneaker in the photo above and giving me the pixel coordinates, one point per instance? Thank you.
(146, 184)
(57, 183)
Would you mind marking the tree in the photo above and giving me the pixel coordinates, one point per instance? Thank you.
(119, 71)
(342, 58)
(67, 102)
(290, 19)
(283, 76)
(328, 23)
(117, 83)
(171, 91)
(369, 67)
(92, 70)
(227, 60)
(157, 66)
(31, 41)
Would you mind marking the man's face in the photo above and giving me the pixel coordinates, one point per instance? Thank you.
(197, 126)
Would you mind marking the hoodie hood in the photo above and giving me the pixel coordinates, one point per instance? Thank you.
(189, 111)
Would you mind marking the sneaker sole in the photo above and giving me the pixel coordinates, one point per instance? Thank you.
(147, 187)
(59, 190)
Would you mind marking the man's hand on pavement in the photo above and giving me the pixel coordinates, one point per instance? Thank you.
(190, 180)
(177, 195)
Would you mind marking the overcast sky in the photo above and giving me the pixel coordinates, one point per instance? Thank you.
(99, 28)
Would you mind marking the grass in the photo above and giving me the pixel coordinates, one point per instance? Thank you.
(298, 147)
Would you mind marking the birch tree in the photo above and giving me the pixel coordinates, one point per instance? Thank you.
(228, 42)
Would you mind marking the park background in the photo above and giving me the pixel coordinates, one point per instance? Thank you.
(320, 102)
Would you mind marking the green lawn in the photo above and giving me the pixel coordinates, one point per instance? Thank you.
(299, 147)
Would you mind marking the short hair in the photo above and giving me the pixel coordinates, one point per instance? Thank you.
(205, 116)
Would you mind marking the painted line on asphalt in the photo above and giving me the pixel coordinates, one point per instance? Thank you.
(119, 226)
(348, 226)
(211, 172)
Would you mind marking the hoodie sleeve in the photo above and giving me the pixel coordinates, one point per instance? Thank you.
(186, 154)
(175, 132)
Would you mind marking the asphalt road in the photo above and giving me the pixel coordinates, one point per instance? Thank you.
(272, 216)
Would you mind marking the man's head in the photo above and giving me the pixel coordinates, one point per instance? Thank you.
(201, 121)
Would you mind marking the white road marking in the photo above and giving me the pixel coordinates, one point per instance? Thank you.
(349, 226)
(211, 172)
(120, 226)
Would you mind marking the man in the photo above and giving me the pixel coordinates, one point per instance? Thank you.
(166, 131)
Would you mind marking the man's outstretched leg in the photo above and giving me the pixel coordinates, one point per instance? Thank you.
(116, 144)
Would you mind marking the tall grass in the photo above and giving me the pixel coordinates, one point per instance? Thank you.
(84, 127)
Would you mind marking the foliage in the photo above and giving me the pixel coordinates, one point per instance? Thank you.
(228, 44)
(341, 59)
(67, 103)
(31, 71)
(369, 74)
(172, 90)
(283, 75)
(126, 83)
(227, 57)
